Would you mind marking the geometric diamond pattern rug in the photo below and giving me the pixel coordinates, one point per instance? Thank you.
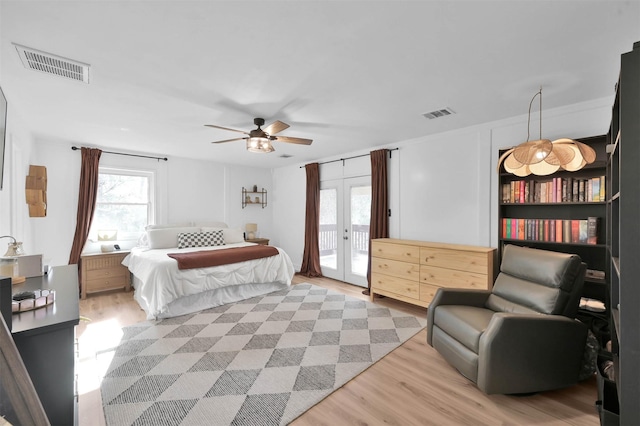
(261, 361)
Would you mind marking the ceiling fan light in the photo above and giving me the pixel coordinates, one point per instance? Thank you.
(260, 145)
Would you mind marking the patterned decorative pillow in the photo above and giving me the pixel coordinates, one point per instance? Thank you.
(200, 239)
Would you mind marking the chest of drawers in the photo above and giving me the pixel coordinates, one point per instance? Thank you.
(412, 271)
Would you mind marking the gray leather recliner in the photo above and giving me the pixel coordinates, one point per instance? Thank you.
(521, 336)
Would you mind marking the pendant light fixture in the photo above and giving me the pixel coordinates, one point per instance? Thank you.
(543, 157)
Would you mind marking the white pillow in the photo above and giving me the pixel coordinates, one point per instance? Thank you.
(143, 241)
(171, 225)
(231, 235)
(217, 225)
(167, 237)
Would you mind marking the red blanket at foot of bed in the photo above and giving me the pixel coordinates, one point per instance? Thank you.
(203, 259)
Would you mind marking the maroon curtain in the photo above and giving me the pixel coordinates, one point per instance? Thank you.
(311, 256)
(86, 201)
(379, 225)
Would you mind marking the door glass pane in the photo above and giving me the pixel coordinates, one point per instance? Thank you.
(328, 238)
(360, 218)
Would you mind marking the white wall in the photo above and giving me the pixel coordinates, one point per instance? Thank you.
(186, 190)
(236, 178)
(14, 212)
(288, 201)
(441, 187)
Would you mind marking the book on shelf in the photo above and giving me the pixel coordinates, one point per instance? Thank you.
(521, 223)
(602, 189)
(581, 190)
(594, 273)
(595, 189)
(556, 190)
(582, 231)
(575, 231)
(592, 229)
(566, 230)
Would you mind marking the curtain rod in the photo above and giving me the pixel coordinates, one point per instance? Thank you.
(355, 156)
(75, 148)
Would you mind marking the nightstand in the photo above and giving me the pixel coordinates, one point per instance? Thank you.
(261, 241)
(103, 272)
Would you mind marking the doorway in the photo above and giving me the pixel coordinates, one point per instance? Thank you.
(345, 211)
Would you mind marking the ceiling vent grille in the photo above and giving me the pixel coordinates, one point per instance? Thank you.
(438, 113)
(52, 64)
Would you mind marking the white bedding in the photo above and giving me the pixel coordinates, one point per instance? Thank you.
(160, 283)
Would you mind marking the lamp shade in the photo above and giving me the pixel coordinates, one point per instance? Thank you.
(259, 144)
(565, 154)
(543, 157)
(251, 230)
(14, 248)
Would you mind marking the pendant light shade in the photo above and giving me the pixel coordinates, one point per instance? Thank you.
(543, 157)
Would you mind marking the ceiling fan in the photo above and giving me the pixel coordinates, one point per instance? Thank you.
(259, 140)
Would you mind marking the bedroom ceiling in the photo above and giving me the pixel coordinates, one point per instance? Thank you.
(350, 75)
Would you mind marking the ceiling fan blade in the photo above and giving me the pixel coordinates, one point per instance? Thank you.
(226, 128)
(289, 139)
(230, 140)
(275, 127)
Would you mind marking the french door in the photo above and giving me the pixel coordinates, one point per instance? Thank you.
(345, 210)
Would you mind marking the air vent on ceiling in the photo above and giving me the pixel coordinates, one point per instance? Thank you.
(286, 156)
(438, 113)
(53, 64)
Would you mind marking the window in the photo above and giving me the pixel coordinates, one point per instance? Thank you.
(124, 204)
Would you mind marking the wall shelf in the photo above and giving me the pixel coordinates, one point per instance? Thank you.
(254, 197)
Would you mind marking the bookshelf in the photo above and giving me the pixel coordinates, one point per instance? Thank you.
(550, 202)
(618, 398)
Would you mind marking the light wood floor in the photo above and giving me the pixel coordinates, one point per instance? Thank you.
(412, 385)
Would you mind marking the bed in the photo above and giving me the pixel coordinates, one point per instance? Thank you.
(163, 290)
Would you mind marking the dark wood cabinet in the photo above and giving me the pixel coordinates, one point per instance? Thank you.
(534, 211)
(619, 404)
(45, 338)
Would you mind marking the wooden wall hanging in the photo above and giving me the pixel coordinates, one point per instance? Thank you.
(36, 191)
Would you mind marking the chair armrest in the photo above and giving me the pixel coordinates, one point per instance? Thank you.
(454, 296)
(522, 353)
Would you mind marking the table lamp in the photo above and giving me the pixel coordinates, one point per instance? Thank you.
(9, 262)
(251, 230)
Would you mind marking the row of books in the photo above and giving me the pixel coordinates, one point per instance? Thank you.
(552, 230)
(557, 190)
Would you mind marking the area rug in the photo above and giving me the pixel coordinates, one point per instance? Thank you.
(262, 361)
